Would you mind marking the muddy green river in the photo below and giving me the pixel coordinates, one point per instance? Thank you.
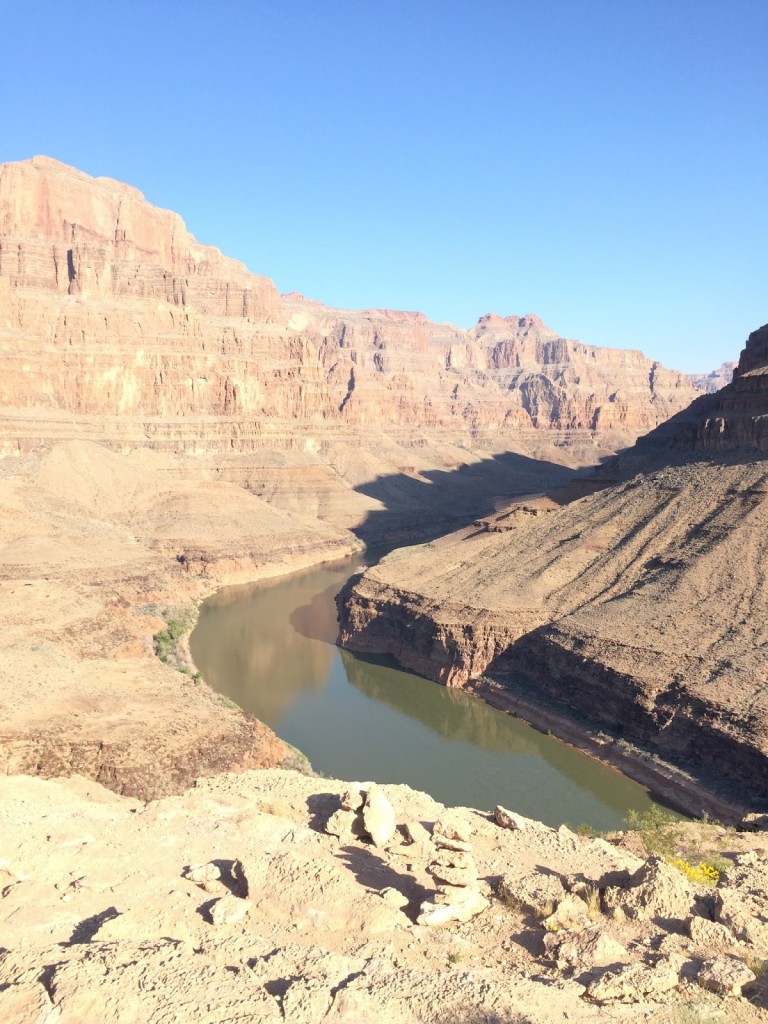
(271, 649)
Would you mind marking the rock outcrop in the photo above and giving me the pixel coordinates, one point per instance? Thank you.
(641, 607)
(231, 902)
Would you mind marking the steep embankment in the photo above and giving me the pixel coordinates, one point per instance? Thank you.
(117, 326)
(641, 607)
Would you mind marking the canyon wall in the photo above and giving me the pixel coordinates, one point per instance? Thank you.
(116, 325)
(170, 423)
(641, 607)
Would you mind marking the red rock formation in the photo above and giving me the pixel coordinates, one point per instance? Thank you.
(110, 309)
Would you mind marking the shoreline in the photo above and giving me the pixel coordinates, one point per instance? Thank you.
(673, 785)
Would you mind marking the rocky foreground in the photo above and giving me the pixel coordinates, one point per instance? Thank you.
(270, 896)
(640, 609)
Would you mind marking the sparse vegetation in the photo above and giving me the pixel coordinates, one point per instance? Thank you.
(166, 640)
(592, 899)
(586, 830)
(700, 874)
(657, 829)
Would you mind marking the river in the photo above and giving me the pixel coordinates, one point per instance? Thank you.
(270, 648)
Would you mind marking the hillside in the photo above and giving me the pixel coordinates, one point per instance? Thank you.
(640, 608)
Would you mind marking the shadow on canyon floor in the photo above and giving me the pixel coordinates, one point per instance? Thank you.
(418, 507)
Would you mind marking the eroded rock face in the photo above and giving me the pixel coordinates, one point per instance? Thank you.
(641, 606)
(109, 308)
(208, 906)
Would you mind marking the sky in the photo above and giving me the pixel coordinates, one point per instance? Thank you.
(601, 163)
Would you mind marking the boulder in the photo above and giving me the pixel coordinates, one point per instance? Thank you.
(738, 912)
(379, 817)
(208, 876)
(591, 947)
(536, 894)
(453, 826)
(509, 819)
(395, 898)
(352, 799)
(415, 832)
(345, 824)
(656, 890)
(708, 933)
(229, 910)
(435, 914)
(725, 975)
(570, 913)
(636, 982)
(250, 876)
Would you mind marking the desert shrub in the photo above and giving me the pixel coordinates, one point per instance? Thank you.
(165, 640)
(657, 829)
(586, 830)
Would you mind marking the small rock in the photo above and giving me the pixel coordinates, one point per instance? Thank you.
(352, 799)
(636, 982)
(249, 876)
(229, 910)
(394, 898)
(379, 817)
(434, 914)
(536, 894)
(202, 874)
(345, 824)
(571, 913)
(453, 876)
(454, 826)
(416, 832)
(453, 859)
(591, 947)
(708, 933)
(725, 975)
(748, 859)
(509, 819)
(208, 877)
(446, 843)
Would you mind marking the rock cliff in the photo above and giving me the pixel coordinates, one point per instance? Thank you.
(169, 423)
(640, 608)
(115, 324)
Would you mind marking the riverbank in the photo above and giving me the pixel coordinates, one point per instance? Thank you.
(81, 598)
(672, 785)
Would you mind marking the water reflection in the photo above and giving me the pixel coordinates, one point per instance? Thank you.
(249, 637)
(455, 715)
(270, 648)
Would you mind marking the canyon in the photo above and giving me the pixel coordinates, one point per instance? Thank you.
(169, 423)
(639, 608)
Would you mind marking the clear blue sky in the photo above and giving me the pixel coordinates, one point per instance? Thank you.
(603, 163)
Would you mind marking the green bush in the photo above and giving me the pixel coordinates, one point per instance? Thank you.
(657, 829)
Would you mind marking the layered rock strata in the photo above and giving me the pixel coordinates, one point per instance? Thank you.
(95, 548)
(641, 607)
(116, 325)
